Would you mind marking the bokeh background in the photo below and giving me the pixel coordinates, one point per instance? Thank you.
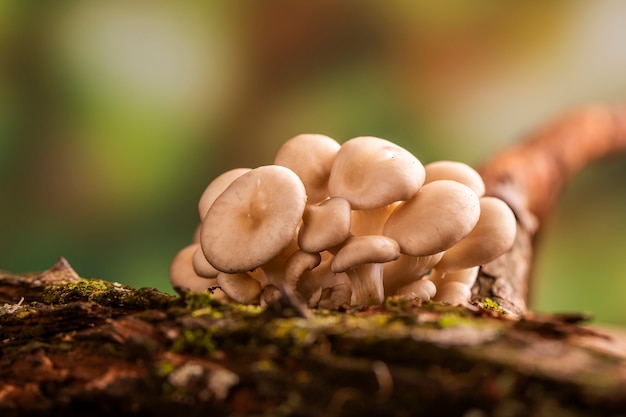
(114, 116)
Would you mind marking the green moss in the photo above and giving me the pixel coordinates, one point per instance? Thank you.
(107, 293)
(198, 341)
(448, 320)
(490, 304)
(198, 300)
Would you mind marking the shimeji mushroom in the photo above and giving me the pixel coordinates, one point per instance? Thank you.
(455, 171)
(406, 270)
(254, 220)
(319, 281)
(310, 156)
(362, 258)
(373, 174)
(453, 287)
(201, 265)
(182, 275)
(492, 236)
(240, 287)
(438, 216)
(325, 225)
(217, 187)
(422, 288)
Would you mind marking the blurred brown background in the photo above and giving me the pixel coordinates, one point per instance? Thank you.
(115, 115)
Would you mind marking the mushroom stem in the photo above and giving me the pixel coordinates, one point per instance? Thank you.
(407, 269)
(367, 284)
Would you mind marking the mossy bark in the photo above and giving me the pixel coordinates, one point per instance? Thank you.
(77, 347)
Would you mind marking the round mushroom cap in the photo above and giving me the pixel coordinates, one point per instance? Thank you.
(492, 236)
(217, 187)
(201, 265)
(455, 293)
(254, 219)
(298, 263)
(325, 225)
(372, 172)
(240, 287)
(455, 171)
(310, 156)
(422, 288)
(182, 275)
(361, 250)
(437, 217)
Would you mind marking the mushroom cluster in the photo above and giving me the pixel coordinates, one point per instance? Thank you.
(342, 225)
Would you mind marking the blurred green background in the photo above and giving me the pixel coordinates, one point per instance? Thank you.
(114, 116)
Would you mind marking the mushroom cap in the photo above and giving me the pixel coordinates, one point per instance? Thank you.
(437, 217)
(298, 263)
(455, 293)
(372, 172)
(310, 156)
(422, 288)
(254, 219)
(325, 225)
(182, 275)
(217, 187)
(201, 265)
(360, 250)
(455, 171)
(240, 287)
(492, 236)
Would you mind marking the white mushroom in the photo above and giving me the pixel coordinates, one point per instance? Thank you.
(437, 217)
(254, 219)
(201, 265)
(407, 269)
(372, 172)
(310, 156)
(324, 226)
(297, 264)
(455, 171)
(423, 289)
(362, 258)
(492, 236)
(453, 287)
(182, 275)
(217, 187)
(240, 287)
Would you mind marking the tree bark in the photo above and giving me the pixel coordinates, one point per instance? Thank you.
(77, 347)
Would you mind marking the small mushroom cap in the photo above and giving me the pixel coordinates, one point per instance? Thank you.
(361, 250)
(240, 287)
(201, 265)
(254, 219)
(372, 172)
(298, 263)
(437, 217)
(182, 275)
(325, 225)
(217, 187)
(455, 171)
(422, 288)
(310, 156)
(455, 293)
(465, 276)
(492, 236)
